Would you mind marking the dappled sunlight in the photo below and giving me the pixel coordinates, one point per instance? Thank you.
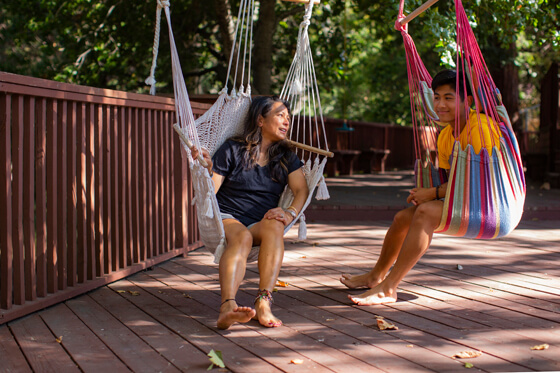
(499, 297)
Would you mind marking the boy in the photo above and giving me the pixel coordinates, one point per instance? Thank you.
(412, 229)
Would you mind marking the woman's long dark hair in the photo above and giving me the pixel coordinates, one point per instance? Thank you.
(252, 137)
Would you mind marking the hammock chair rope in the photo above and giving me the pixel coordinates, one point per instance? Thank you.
(226, 119)
(486, 191)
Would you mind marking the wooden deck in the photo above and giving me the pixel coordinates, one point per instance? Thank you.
(503, 301)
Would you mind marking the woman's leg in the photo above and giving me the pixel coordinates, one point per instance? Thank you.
(425, 220)
(389, 251)
(232, 271)
(270, 234)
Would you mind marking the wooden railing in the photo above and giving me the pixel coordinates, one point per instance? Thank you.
(92, 189)
(366, 135)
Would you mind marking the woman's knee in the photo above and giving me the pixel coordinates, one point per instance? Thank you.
(242, 239)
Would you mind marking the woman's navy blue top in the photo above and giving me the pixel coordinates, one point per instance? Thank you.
(247, 193)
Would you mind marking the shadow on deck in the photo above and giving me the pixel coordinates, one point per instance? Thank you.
(503, 301)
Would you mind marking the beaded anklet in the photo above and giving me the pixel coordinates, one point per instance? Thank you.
(264, 295)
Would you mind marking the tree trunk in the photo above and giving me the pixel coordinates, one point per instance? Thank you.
(506, 78)
(226, 27)
(262, 47)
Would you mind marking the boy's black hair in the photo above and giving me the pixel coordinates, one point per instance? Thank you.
(448, 77)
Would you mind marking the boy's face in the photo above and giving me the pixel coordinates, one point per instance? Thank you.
(445, 101)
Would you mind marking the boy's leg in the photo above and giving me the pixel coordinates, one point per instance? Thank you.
(425, 220)
(232, 270)
(270, 234)
(389, 252)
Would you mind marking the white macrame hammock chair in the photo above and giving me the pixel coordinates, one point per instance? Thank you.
(226, 118)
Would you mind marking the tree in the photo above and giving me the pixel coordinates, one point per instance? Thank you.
(359, 57)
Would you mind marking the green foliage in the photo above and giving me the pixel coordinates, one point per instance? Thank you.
(359, 57)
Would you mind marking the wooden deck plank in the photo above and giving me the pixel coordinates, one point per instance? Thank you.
(286, 336)
(505, 366)
(84, 347)
(133, 351)
(167, 343)
(503, 302)
(236, 357)
(544, 362)
(205, 338)
(314, 320)
(9, 348)
(40, 347)
(530, 302)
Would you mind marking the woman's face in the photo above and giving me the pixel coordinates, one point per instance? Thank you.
(274, 127)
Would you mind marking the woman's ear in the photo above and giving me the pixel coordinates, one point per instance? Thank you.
(470, 100)
(260, 121)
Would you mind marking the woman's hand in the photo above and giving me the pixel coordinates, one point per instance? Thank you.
(205, 155)
(420, 195)
(280, 215)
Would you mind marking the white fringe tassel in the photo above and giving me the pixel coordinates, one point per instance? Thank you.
(207, 208)
(322, 191)
(302, 230)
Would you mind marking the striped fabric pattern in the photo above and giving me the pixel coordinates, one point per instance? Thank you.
(485, 193)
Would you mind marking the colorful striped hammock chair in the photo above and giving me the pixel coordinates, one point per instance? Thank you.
(226, 118)
(485, 193)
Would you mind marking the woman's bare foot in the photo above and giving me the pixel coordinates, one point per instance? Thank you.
(230, 313)
(264, 314)
(263, 303)
(359, 281)
(377, 295)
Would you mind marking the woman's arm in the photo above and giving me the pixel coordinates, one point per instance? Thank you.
(298, 185)
(216, 178)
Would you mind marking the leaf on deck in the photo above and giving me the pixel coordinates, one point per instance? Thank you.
(216, 359)
(382, 324)
(135, 293)
(121, 291)
(468, 365)
(544, 346)
(467, 354)
(282, 284)
(59, 339)
(296, 361)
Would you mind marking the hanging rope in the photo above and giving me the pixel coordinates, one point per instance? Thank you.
(151, 80)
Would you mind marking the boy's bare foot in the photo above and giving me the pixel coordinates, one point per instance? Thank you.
(230, 313)
(374, 296)
(359, 281)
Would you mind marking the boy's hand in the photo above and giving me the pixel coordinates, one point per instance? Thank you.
(420, 195)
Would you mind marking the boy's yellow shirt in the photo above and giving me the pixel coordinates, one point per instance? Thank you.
(475, 133)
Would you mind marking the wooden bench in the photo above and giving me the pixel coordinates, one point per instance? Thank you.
(342, 163)
(376, 157)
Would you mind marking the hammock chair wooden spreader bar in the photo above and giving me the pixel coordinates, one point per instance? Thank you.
(298, 145)
(421, 9)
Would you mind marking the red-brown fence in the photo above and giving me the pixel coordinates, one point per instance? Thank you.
(91, 190)
(366, 135)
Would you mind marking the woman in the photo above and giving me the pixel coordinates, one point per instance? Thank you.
(249, 175)
(412, 229)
